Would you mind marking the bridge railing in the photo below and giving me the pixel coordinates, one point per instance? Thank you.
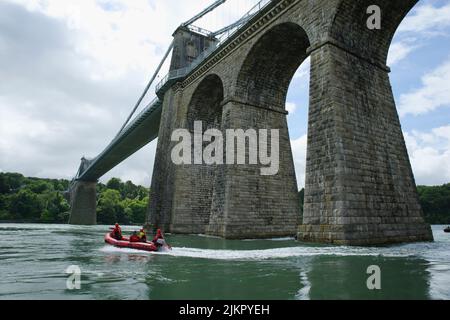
(252, 12)
(181, 73)
(172, 75)
(199, 30)
(140, 115)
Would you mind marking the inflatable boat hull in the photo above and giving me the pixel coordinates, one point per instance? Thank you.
(125, 243)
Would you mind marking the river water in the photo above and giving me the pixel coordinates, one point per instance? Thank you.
(34, 260)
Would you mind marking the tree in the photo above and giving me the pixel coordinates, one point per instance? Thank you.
(109, 207)
(135, 210)
(26, 205)
(302, 200)
(10, 182)
(40, 186)
(130, 191)
(55, 205)
(435, 203)
(115, 184)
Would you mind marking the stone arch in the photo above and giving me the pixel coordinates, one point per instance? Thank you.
(206, 103)
(195, 181)
(270, 65)
(350, 29)
(257, 104)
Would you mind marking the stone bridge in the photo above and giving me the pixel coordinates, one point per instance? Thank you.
(360, 189)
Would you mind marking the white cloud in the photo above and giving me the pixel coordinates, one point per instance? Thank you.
(423, 22)
(291, 107)
(430, 155)
(434, 93)
(399, 51)
(299, 147)
(427, 19)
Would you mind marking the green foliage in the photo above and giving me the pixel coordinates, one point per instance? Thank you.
(302, 200)
(435, 203)
(26, 204)
(135, 210)
(10, 182)
(122, 202)
(109, 207)
(42, 200)
(115, 184)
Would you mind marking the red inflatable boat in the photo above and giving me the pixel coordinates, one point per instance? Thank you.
(144, 246)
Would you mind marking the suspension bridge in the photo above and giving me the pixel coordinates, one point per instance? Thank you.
(359, 184)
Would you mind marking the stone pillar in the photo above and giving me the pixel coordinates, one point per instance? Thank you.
(360, 189)
(83, 200)
(188, 45)
(171, 207)
(162, 190)
(247, 204)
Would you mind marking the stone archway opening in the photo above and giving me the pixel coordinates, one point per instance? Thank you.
(260, 102)
(205, 104)
(271, 65)
(297, 105)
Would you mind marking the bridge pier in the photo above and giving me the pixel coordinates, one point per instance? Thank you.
(360, 189)
(83, 202)
(245, 203)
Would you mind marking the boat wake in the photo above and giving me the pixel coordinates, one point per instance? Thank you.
(266, 254)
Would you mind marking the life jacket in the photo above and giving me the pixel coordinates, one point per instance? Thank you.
(157, 239)
(117, 233)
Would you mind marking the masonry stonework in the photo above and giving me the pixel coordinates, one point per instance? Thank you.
(83, 201)
(360, 189)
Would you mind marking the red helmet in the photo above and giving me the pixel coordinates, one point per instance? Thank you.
(117, 225)
(159, 232)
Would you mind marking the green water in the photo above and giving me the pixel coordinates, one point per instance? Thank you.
(34, 258)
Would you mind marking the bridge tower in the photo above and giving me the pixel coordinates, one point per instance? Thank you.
(189, 44)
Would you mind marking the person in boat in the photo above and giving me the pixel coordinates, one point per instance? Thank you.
(159, 240)
(142, 236)
(135, 237)
(116, 233)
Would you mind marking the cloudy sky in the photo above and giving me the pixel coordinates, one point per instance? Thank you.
(71, 70)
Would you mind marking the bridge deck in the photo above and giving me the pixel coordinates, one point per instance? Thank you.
(145, 126)
(135, 136)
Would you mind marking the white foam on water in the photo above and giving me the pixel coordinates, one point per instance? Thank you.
(409, 250)
(112, 249)
(303, 293)
(278, 253)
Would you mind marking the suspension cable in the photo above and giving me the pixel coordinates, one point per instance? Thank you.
(147, 88)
